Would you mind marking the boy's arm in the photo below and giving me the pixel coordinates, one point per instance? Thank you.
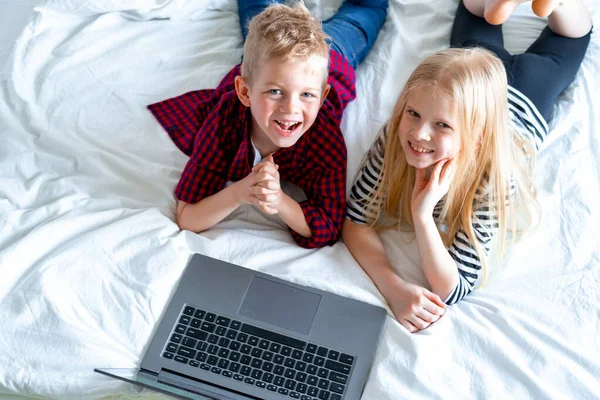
(211, 210)
(291, 213)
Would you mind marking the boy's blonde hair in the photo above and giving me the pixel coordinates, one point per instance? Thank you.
(475, 80)
(284, 32)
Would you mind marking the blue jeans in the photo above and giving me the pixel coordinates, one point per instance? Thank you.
(352, 30)
(541, 73)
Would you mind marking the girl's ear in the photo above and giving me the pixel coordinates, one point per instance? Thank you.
(243, 90)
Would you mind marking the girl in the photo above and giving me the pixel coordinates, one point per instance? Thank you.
(455, 160)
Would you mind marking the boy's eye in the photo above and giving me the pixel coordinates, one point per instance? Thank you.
(308, 95)
(275, 91)
(413, 113)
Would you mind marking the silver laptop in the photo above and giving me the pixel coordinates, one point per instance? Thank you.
(233, 333)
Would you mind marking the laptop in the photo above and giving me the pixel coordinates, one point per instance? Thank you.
(232, 333)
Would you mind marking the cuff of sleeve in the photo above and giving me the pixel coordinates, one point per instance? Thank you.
(323, 231)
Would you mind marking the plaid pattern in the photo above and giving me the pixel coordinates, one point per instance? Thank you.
(212, 127)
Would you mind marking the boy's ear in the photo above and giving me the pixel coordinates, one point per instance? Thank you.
(243, 90)
(325, 93)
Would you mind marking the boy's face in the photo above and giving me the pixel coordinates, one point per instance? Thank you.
(284, 99)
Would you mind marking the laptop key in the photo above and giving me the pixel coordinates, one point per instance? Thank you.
(268, 377)
(189, 342)
(207, 326)
(337, 377)
(283, 391)
(194, 363)
(323, 395)
(223, 363)
(246, 360)
(221, 330)
(231, 334)
(312, 380)
(188, 310)
(289, 373)
(267, 366)
(168, 355)
(234, 356)
(205, 367)
(195, 323)
(261, 384)
(256, 373)
(278, 370)
(305, 397)
(227, 374)
(245, 349)
(312, 391)
(294, 395)
(297, 354)
(212, 349)
(256, 352)
(184, 320)
(278, 359)
(201, 356)
(312, 369)
(263, 344)
(253, 341)
(235, 346)
(322, 351)
(180, 359)
(346, 358)
(256, 363)
(311, 348)
(210, 317)
(301, 377)
(202, 346)
(323, 384)
(235, 325)
(172, 347)
(234, 367)
(333, 354)
(249, 381)
(322, 373)
(286, 351)
(212, 338)
(212, 360)
(336, 388)
(320, 361)
(289, 362)
(180, 329)
(273, 336)
(186, 352)
(196, 334)
(238, 377)
(246, 370)
(199, 314)
(307, 357)
(335, 396)
(176, 338)
(223, 321)
(223, 353)
(242, 337)
(301, 387)
(272, 388)
(224, 342)
(275, 347)
(216, 370)
(301, 366)
(290, 384)
(279, 381)
(338, 367)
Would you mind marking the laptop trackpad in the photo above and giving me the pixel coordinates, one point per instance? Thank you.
(281, 305)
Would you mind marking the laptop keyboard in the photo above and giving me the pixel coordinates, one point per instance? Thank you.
(258, 357)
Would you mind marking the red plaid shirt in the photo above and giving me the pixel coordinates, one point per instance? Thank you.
(213, 128)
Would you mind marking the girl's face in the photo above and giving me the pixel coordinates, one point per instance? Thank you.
(429, 129)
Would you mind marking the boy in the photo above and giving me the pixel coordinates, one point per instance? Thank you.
(275, 117)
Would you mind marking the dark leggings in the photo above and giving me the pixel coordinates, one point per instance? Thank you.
(546, 68)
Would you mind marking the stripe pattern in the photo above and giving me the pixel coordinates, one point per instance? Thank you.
(529, 124)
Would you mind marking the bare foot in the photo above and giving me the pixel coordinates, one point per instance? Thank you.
(498, 11)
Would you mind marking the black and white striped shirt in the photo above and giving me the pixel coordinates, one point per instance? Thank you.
(529, 124)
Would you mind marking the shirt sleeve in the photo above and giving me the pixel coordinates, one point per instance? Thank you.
(323, 180)
(462, 250)
(367, 182)
(342, 80)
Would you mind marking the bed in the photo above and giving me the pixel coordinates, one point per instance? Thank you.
(90, 252)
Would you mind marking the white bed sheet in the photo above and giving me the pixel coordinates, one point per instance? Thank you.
(89, 252)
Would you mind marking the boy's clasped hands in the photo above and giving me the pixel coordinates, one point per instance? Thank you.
(264, 187)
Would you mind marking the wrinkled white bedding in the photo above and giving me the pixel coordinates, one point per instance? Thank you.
(89, 252)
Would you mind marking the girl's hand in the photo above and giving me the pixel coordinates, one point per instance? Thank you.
(415, 307)
(265, 189)
(427, 192)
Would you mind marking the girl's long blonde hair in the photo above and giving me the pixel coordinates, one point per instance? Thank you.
(476, 82)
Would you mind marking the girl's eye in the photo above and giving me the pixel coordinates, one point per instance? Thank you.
(414, 113)
(275, 91)
(443, 125)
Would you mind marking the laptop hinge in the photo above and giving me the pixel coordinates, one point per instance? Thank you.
(208, 389)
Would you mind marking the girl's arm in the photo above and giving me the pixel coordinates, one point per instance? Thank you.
(415, 307)
(438, 266)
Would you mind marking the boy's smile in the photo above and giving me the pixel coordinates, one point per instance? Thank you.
(284, 99)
